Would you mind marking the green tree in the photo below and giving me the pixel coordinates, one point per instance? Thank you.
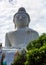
(21, 58)
(36, 56)
(36, 53)
(37, 43)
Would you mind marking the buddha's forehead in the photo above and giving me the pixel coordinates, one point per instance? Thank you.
(21, 14)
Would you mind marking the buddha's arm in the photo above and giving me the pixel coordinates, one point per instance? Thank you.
(7, 41)
(36, 35)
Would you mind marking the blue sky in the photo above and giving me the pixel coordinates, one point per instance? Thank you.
(35, 8)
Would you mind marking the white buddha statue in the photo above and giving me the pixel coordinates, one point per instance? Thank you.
(23, 34)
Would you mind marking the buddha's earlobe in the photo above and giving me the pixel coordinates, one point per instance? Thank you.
(27, 25)
(28, 18)
(15, 25)
(13, 19)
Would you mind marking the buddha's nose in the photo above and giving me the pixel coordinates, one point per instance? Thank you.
(20, 17)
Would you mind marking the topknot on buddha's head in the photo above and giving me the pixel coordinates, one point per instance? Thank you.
(22, 9)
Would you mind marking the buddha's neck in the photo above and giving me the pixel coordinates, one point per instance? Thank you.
(21, 28)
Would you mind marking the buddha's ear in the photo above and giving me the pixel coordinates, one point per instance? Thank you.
(14, 21)
(27, 25)
(14, 17)
(15, 25)
(29, 18)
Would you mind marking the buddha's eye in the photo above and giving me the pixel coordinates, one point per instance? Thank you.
(23, 16)
(17, 16)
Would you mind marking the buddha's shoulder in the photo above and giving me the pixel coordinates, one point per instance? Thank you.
(32, 31)
(10, 33)
(29, 30)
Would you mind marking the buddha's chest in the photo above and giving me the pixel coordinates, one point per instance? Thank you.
(20, 37)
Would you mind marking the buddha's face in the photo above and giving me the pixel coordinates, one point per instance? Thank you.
(21, 20)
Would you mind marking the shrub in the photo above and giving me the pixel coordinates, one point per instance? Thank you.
(20, 60)
(36, 56)
(37, 43)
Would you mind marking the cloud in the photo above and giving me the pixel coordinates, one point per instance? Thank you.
(35, 8)
(40, 28)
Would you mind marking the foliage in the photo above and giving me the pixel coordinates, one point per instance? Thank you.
(37, 43)
(36, 56)
(36, 53)
(20, 59)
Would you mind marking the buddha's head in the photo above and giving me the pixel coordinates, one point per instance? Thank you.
(21, 18)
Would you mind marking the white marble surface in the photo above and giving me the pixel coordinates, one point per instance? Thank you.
(20, 38)
(9, 55)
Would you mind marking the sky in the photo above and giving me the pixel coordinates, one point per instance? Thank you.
(35, 8)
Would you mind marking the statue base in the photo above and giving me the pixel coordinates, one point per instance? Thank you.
(10, 53)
